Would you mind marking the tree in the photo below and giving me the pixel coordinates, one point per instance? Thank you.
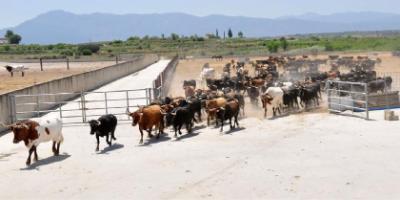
(230, 33)
(240, 34)
(9, 33)
(273, 46)
(284, 43)
(12, 37)
(162, 36)
(217, 33)
(174, 36)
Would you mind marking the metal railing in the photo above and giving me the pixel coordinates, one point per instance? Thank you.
(344, 96)
(86, 105)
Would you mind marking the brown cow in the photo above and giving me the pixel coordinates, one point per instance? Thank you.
(147, 118)
(212, 105)
(258, 82)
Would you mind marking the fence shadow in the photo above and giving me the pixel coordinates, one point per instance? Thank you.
(47, 161)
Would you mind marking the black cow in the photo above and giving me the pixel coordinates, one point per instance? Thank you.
(254, 94)
(308, 94)
(104, 126)
(180, 116)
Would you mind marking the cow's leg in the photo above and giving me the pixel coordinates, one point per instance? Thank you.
(199, 115)
(54, 147)
(141, 136)
(274, 111)
(112, 134)
(31, 150)
(149, 132)
(36, 156)
(108, 140)
(222, 124)
(265, 112)
(58, 149)
(12, 74)
(179, 129)
(176, 130)
(230, 123)
(236, 121)
(98, 142)
(208, 120)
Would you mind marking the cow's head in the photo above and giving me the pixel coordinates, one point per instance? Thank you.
(136, 116)
(20, 130)
(94, 126)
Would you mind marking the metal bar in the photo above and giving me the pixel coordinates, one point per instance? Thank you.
(367, 100)
(83, 107)
(105, 102)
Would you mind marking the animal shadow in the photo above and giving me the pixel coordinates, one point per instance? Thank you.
(187, 136)
(163, 138)
(111, 148)
(230, 132)
(47, 161)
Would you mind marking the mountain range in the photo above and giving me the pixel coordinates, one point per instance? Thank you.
(65, 27)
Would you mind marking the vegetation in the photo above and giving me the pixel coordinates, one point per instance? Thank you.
(12, 37)
(203, 46)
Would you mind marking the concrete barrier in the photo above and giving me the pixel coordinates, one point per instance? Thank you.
(75, 83)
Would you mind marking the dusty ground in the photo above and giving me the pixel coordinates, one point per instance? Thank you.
(51, 71)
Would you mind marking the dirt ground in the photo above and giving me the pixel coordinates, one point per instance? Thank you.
(191, 69)
(51, 71)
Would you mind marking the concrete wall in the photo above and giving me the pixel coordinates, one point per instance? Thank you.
(76, 83)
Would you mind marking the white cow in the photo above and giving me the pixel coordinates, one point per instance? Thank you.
(274, 97)
(207, 73)
(49, 130)
(32, 133)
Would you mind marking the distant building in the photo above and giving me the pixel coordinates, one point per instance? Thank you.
(3, 41)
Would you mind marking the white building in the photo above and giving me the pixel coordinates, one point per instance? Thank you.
(3, 41)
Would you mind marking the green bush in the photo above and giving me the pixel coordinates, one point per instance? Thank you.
(93, 48)
(86, 52)
(67, 53)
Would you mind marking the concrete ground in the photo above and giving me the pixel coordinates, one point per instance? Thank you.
(302, 156)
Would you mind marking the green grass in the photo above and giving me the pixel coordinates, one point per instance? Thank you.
(203, 47)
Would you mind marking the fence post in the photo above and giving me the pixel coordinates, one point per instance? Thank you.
(67, 63)
(41, 64)
(366, 100)
(127, 101)
(37, 106)
(83, 104)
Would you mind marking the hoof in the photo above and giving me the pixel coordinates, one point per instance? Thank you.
(28, 163)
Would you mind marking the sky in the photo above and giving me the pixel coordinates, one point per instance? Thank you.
(14, 12)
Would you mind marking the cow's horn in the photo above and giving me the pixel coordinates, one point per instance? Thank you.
(127, 111)
(173, 114)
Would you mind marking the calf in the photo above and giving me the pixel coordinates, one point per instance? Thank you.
(32, 133)
(104, 127)
(231, 110)
(147, 118)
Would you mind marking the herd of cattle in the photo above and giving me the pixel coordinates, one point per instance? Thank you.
(222, 100)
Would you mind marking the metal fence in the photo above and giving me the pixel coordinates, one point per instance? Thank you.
(86, 106)
(81, 107)
(348, 96)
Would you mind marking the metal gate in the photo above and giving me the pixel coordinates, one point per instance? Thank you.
(83, 107)
(348, 96)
